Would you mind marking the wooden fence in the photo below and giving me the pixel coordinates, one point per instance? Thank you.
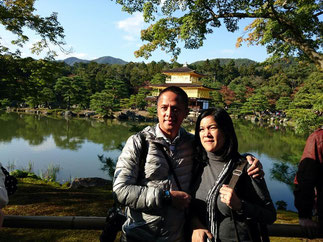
(97, 223)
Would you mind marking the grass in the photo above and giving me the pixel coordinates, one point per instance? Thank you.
(40, 198)
(41, 235)
(36, 197)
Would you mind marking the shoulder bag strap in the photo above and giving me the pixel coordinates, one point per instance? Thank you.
(171, 169)
(236, 173)
(5, 172)
(143, 155)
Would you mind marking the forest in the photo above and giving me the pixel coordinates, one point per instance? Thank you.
(290, 81)
(243, 86)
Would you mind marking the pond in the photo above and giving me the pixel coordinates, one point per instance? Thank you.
(36, 143)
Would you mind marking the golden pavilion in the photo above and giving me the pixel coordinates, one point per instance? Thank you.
(189, 81)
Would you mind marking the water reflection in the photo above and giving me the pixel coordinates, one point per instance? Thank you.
(75, 145)
(67, 134)
(284, 173)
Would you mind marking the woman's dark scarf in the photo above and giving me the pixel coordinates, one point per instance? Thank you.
(211, 199)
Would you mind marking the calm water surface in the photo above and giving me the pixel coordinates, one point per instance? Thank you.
(74, 146)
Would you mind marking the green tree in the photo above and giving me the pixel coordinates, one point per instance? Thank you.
(48, 96)
(310, 94)
(139, 100)
(125, 103)
(73, 91)
(217, 70)
(14, 75)
(217, 99)
(158, 79)
(306, 120)
(283, 103)
(243, 88)
(285, 27)
(230, 72)
(133, 101)
(40, 83)
(256, 103)
(18, 15)
(103, 103)
(4, 102)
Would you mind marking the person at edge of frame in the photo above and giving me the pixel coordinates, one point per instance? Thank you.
(155, 207)
(3, 195)
(308, 190)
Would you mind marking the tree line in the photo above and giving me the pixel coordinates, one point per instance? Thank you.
(243, 87)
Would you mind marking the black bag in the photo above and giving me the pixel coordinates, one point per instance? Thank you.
(10, 182)
(257, 231)
(116, 217)
(113, 223)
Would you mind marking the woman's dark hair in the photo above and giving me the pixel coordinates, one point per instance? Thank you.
(224, 122)
(177, 90)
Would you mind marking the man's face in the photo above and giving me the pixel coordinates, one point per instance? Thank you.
(171, 112)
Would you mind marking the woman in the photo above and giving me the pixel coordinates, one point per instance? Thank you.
(223, 213)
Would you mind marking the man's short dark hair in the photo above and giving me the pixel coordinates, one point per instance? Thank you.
(177, 90)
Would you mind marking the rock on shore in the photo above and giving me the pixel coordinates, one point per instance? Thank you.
(89, 182)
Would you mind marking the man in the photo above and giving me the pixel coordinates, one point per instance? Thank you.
(309, 184)
(155, 206)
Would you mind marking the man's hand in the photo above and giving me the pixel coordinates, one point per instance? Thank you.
(310, 227)
(199, 235)
(255, 170)
(180, 200)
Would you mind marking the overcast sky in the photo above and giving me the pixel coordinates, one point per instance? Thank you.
(99, 28)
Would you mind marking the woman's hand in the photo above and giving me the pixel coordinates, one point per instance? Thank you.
(229, 197)
(199, 235)
(255, 170)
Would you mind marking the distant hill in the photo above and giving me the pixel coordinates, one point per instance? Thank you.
(109, 60)
(102, 60)
(72, 60)
(224, 61)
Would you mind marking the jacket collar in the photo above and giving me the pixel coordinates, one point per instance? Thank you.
(160, 135)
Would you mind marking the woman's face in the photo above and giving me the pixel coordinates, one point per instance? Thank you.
(212, 138)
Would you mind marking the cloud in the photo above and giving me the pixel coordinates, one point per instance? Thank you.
(61, 55)
(131, 26)
(47, 145)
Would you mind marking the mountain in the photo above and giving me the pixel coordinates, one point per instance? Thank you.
(102, 60)
(109, 60)
(72, 60)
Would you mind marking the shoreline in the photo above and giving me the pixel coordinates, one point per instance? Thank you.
(274, 121)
